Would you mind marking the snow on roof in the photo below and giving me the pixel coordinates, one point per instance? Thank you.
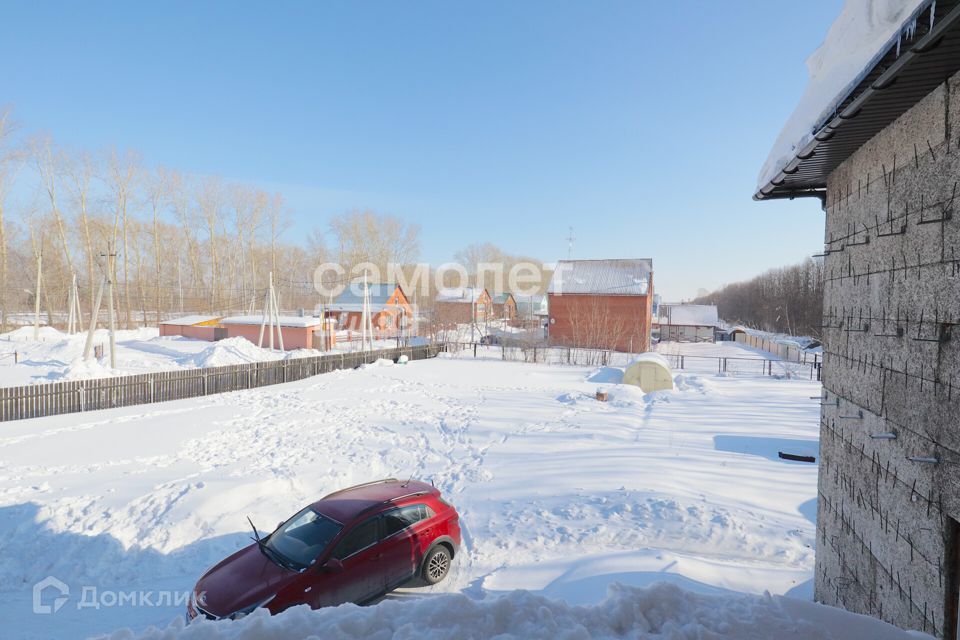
(468, 294)
(700, 315)
(862, 32)
(285, 321)
(189, 320)
(629, 277)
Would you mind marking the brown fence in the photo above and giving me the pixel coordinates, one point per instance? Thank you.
(39, 400)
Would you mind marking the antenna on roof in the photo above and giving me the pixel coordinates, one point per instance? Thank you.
(404, 485)
(570, 240)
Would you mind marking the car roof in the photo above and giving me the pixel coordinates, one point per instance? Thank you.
(347, 504)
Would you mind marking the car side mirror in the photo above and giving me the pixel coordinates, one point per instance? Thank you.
(332, 565)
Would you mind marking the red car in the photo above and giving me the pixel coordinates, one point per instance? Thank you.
(354, 545)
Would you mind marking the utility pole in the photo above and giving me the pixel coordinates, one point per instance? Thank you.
(366, 336)
(179, 284)
(93, 320)
(73, 303)
(276, 314)
(36, 301)
(113, 327)
(271, 317)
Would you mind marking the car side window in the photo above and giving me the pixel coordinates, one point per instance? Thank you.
(400, 519)
(361, 537)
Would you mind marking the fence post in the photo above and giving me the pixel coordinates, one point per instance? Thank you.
(204, 383)
(474, 349)
(151, 389)
(681, 362)
(83, 399)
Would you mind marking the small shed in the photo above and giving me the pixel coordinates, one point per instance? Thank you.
(650, 372)
(196, 327)
(297, 331)
(688, 322)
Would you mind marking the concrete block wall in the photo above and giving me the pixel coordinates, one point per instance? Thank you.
(892, 366)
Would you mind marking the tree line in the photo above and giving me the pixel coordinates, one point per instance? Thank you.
(180, 242)
(783, 300)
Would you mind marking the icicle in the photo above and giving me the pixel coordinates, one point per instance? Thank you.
(933, 11)
(898, 44)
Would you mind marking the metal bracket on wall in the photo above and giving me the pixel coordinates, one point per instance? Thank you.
(946, 210)
(892, 231)
(866, 237)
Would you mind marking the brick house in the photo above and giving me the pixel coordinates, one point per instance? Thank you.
(389, 307)
(463, 306)
(885, 164)
(602, 304)
(504, 306)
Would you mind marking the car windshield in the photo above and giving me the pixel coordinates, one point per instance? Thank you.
(303, 538)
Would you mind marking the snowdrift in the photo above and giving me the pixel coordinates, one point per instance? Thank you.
(660, 612)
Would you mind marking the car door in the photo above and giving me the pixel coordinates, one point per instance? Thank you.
(361, 576)
(400, 545)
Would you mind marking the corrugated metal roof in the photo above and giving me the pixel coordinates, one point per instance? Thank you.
(379, 293)
(629, 277)
(501, 298)
(899, 79)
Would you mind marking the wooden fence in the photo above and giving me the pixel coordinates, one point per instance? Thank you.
(39, 400)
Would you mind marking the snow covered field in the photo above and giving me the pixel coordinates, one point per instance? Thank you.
(559, 495)
(58, 356)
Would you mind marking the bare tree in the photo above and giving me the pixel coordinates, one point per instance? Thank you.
(209, 198)
(785, 300)
(122, 171)
(49, 164)
(365, 236)
(8, 165)
(79, 169)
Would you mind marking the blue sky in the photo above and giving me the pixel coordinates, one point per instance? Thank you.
(641, 124)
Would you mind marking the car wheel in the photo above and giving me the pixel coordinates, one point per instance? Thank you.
(436, 565)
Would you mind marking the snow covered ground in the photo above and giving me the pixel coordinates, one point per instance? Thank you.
(560, 495)
(58, 356)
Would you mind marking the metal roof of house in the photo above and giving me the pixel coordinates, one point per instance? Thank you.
(630, 277)
(901, 76)
(379, 293)
(501, 298)
(464, 295)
